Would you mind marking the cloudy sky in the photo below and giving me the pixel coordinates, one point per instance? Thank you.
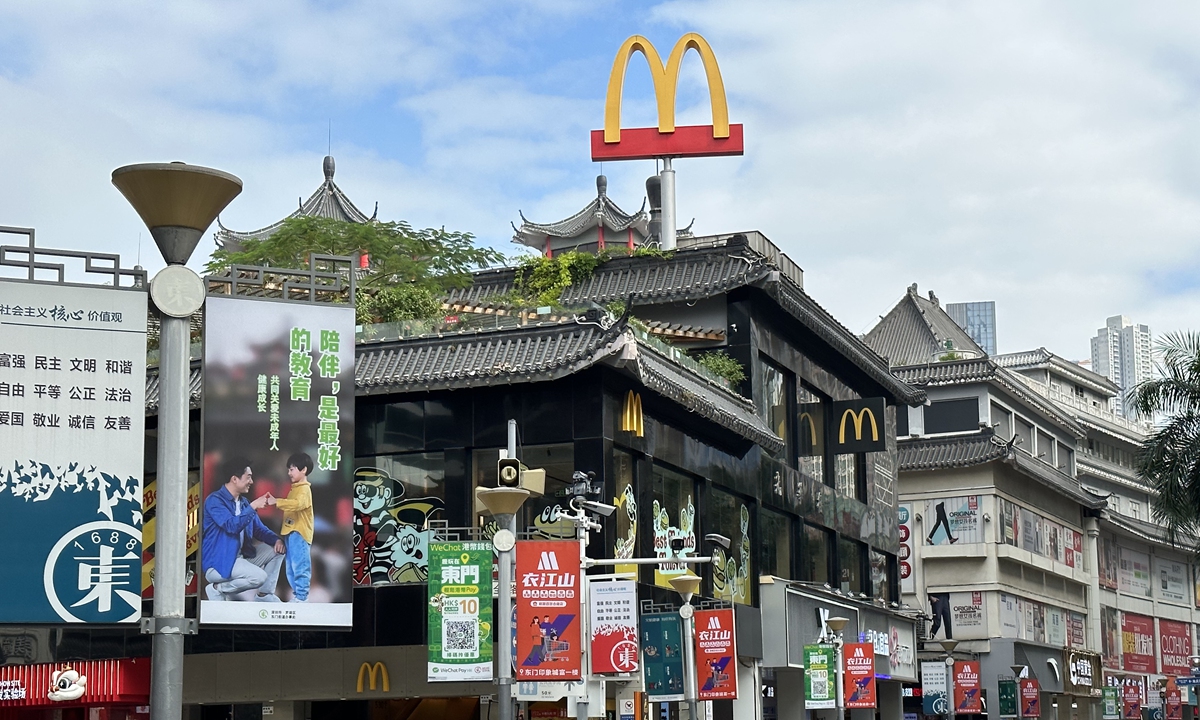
(1042, 155)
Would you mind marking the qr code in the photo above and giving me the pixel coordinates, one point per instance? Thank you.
(820, 683)
(460, 638)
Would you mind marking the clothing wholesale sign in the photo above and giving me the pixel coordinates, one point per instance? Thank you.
(819, 669)
(548, 607)
(460, 611)
(612, 621)
(968, 697)
(1174, 645)
(716, 655)
(662, 656)
(278, 429)
(858, 675)
(72, 446)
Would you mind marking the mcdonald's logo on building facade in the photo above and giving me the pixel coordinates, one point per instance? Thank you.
(811, 429)
(859, 426)
(666, 140)
(372, 672)
(631, 415)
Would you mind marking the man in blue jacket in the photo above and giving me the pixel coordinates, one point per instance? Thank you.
(233, 562)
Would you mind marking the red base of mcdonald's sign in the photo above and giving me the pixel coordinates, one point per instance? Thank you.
(686, 141)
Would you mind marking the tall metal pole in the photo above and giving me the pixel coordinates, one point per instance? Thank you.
(504, 639)
(841, 690)
(166, 677)
(689, 661)
(950, 683)
(669, 223)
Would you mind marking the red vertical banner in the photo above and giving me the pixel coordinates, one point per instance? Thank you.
(968, 699)
(1031, 698)
(1131, 701)
(1173, 701)
(716, 655)
(548, 607)
(858, 674)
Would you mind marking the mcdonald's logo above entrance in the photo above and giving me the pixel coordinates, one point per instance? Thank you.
(858, 426)
(666, 140)
(631, 415)
(372, 672)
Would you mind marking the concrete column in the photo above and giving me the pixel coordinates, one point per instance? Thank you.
(748, 706)
(1091, 550)
(891, 700)
(789, 694)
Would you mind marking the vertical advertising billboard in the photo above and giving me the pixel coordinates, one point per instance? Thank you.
(460, 611)
(819, 666)
(933, 688)
(278, 431)
(1137, 643)
(612, 622)
(548, 607)
(662, 655)
(1031, 697)
(858, 675)
(1131, 701)
(716, 655)
(968, 696)
(72, 446)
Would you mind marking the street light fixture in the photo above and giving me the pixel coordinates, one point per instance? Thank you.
(178, 202)
(504, 503)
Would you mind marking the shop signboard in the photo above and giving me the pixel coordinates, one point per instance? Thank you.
(1131, 702)
(72, 423)
(1137, 643)
(1174, 646)
(460, 611)
(1031, 697)
(278, 429)
(1111, 708)
(1082, 675)
(612, 621)
(819, 669)
(858, 675)
(968, 695)
(1008, 698)
(716, 655)
(905, 556)
(662, 656)
(548, 607)
(933, 688)
(954, 520)
(55, 687)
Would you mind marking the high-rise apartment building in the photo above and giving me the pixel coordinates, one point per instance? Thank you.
(978, 319)
(1121, 353)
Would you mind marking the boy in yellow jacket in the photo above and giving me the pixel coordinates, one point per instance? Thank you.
(297, 532)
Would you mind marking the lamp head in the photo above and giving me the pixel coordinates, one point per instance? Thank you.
(837, 624)
(686, 586)
(502, 500)
(1018, 670)
(177, 201)
(948, 645)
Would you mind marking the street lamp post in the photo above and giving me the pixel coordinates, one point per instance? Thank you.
(178, 202)
(948, 646)
(686, 586)
(503, 503)
(837, 624)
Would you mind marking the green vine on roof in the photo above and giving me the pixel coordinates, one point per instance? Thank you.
(541, 280)
(721, 364)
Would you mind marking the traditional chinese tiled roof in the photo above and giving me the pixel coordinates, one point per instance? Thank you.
(328, 202)
(600, 210)
(942, 453)
(917, 330)
(702, 272)
(1043, 358)
(195, 388)
(549, 351)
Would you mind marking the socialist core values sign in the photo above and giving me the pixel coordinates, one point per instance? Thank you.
(716, 669)
(612, 621)
(859, 675)
(548, 607)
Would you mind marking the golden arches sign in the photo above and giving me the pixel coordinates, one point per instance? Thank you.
(631, 415)
(371, 672)
(857, 418)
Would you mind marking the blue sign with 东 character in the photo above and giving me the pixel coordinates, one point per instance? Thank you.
(72, 411)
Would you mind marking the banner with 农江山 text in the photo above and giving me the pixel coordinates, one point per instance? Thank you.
(548, 607)
(72, 448)
(716, 655)
(968, 693)
(278, 429)
(858, 675)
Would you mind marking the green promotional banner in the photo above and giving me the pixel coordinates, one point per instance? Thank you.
(460, 611)
(820, 677)
(1112, 703)
(1008, 698)
(662, 656)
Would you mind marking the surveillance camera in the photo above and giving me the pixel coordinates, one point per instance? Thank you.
(598, 507)
(677, 545)
(718, 539)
